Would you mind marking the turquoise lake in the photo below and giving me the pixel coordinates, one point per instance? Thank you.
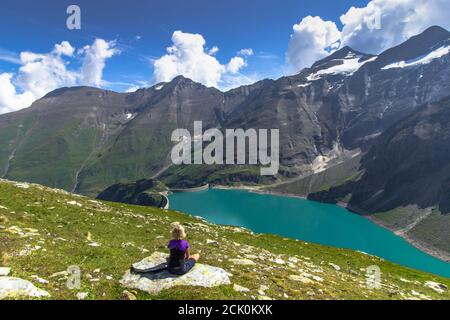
(305, 220)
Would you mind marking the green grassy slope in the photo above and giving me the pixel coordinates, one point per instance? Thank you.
(65, 225)
(135, 154)
(49, 153)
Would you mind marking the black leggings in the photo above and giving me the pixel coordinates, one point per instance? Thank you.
(188, 265)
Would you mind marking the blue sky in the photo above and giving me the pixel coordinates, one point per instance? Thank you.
(135, 35)
(263, 25)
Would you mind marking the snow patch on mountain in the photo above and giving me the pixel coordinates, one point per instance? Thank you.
(130, 116)
(349, 65)
(438, 53)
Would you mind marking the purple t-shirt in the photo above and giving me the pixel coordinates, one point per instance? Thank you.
(181, 245)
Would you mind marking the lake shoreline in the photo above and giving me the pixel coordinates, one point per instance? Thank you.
(196, 189)
(428, 249)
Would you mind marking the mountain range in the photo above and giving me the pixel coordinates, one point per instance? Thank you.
(385, 114)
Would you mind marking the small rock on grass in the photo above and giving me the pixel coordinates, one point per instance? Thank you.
(239, 288)
(242, 262)
(82, 295)
(60, 275)
(301, 279)
(5, 271)
(94, 245)
(39, 280)
(262, 297)
(335, 266)
(127, 295)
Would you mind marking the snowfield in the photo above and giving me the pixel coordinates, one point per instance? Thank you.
(438, 53)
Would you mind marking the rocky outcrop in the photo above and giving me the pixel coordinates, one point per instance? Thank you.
(156, 262)
(438, 287)
(154, 282)
(12, 288)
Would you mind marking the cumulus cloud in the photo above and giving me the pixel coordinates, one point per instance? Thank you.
(10, 100)
(385, 23)
(236, 64)
(39, 74)
(94, 61)
(188, 57)
(64, 48)
(374, 28)
(309, 42)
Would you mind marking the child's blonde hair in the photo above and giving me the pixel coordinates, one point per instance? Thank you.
(178, 232)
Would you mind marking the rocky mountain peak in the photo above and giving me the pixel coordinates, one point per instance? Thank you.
(415, 47)
(181, 82)
(71, 90)
(342, 63)
(345, 53)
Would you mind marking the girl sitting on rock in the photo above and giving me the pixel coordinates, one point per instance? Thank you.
(180, 260)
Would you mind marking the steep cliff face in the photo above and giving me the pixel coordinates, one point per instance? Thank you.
(393, 85)
(409, 164)
(406, 177)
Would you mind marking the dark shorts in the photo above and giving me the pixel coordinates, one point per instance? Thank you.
(188, 265)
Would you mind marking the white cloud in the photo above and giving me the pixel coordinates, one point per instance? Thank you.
(380, 25)
(132, 89)
(230, 81)
(398, 21)
(236, 64)
(39, 74)
(9, 56)
(245, 52)
(213, 50)
(311, 37)
(267, 56)
(188, 57)
(10, 100)
(94, 61)
(64, 48)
